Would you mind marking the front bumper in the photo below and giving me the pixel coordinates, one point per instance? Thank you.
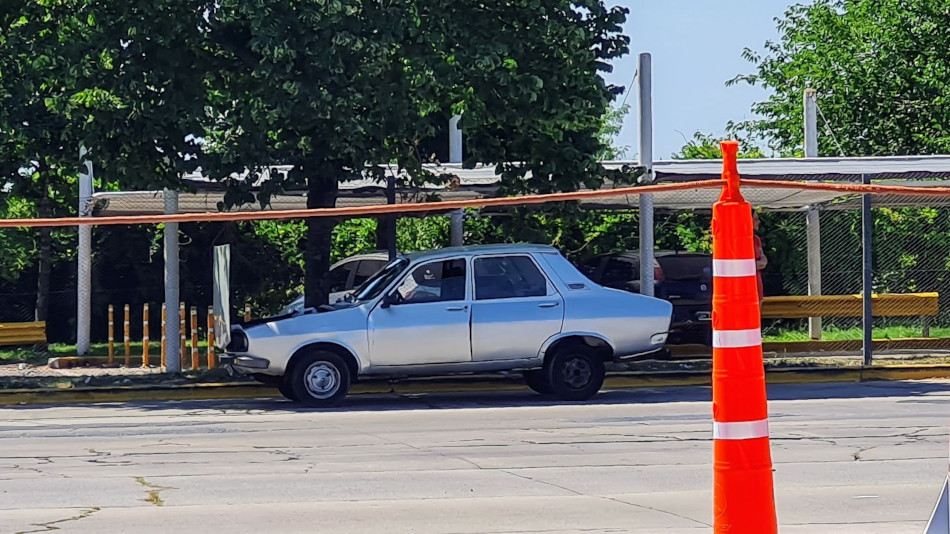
(242, 362)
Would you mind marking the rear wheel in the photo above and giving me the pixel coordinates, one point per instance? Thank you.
(320, 379)
(575, 372)
(537, 381)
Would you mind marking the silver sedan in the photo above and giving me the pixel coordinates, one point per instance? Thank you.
(457, 310)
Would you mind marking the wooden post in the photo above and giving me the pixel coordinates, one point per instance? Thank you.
(145, 358)
(128, 346)
(247, 312)
(925, 321)
(182, 330)
(164, 320)
(111, 333)
(194, 338)
(211, 361)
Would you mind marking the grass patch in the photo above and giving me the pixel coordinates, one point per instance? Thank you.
(848, 334)
(58, 350)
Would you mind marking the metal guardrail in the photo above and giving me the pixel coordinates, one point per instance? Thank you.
(22, 333)
(884, 305)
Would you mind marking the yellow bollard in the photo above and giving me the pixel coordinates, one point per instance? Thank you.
(145, 358)
(194, 338)
(247, 312)
(111, 333)
(182, 331)
(211, 361)
(164, 322)
(128, 345)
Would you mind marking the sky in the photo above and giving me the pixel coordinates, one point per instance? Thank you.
(696, 47)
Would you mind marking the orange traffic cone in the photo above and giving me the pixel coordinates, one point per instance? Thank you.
(940, 518)
(743, 496)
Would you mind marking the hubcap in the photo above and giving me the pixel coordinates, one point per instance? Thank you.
(576, 373)
(322, 380)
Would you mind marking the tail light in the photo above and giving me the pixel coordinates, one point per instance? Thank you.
(657, 272)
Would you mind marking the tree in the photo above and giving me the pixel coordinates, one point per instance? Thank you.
(707, 146)
(362, 83)
(880, 70)
(122, 80)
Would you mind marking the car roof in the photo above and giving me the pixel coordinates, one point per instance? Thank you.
(384, 256)
(475, 250)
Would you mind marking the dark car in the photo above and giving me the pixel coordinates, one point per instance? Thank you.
(683, 278)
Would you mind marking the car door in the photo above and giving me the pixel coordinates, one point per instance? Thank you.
(516, 308)
(429, 323)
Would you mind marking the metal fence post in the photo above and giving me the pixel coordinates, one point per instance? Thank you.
(867, 226)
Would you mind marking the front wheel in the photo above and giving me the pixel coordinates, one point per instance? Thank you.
(575, 372)
(286, 389)
(537, 381)
(320, 379)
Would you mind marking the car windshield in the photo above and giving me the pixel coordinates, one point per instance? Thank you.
(377, 283)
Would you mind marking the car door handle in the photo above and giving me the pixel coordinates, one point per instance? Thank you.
(548, 304)
(456, 308)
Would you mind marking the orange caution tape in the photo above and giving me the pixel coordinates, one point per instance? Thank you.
(743, 497)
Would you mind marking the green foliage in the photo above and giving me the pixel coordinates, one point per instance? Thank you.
(612, 124)
(706, 146)
(880, 68)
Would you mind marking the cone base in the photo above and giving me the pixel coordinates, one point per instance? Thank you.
(940, 518)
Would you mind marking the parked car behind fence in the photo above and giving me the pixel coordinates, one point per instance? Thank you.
(683, 278)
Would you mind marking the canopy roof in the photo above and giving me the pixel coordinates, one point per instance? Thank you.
(482, 181)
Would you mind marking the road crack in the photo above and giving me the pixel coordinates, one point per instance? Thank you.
(606, 498)
(153, 495)
(51, 525)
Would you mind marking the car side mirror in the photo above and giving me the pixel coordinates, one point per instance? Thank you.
(390, 299)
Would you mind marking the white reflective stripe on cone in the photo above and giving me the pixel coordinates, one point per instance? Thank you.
(734, 268)
(736, 339)
(743, 430)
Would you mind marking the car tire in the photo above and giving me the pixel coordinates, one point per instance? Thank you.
(285, 389)
(575, 372)
(319, 379)
(538, 382)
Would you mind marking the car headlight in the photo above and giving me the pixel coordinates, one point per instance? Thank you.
(238, 342)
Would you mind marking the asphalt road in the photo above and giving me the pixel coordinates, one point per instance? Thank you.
(849, 458)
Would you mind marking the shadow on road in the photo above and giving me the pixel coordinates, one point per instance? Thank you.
(440, 401)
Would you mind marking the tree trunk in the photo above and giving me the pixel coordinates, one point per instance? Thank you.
(45, 239)
(321, 193)
(384, 231)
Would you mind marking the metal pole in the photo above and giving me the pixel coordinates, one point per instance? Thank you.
(812, 218)
(84, 258)
(457, 223)
(867, 225)
(391, 219)
(645, 85)
(172, 304)
(455, 140)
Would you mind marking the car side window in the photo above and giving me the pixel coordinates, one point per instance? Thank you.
(337, 278)
(508, 277)
(366, 269)
(438, 281)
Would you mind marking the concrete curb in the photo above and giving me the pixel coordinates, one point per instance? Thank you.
(459, 384)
